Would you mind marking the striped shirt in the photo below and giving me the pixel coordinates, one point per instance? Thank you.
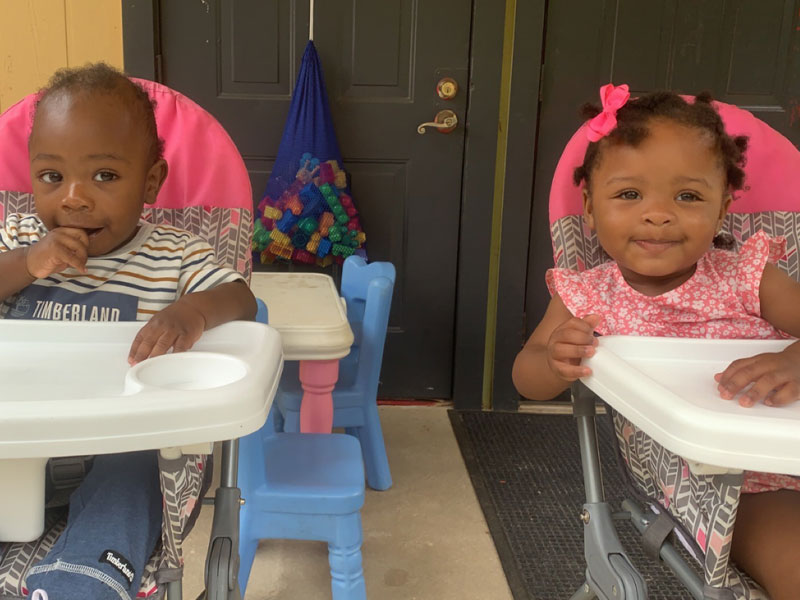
(132, 283)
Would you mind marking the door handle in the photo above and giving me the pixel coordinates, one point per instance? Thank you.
(445, 121)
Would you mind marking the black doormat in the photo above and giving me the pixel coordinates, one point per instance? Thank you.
(526, 471)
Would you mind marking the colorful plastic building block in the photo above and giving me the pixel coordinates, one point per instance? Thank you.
(294, 204)
(309, 166)
(313, 220)
(271, 212)
(308, 225)
(286, 222)
(341, 250)
(335, 233)
(328, 191)
(339, 176)
(326, 174)
(324, 247)
(325, 221)
(300, 239)
(260, 236)
(304, 257)
(313, 242)
(280, 250)
(313, 201)
(311, 192)
(280, 238)
(350, 238)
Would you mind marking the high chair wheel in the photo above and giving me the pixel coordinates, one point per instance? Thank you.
(633, 586)
(217, 571)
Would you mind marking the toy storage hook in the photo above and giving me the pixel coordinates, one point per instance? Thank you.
(311, 20)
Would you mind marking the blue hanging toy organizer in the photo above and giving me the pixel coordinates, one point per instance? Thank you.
(307, 214)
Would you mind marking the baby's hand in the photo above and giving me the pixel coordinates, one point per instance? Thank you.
(61, 248)
(775, 377)
(569, 344)
(178, 327)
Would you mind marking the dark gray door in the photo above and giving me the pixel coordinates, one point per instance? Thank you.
(743, 52)
(382, 60)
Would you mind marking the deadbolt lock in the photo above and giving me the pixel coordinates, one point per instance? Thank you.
(447, 88)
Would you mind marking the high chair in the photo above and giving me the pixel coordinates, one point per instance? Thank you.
(367, 290)
(694, 500)
(207, 192)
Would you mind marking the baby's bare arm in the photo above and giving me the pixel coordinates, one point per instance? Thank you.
(60, 249)
(773, 377)
(550, 359)
(182, 323)
(227, 302)
(14, 275)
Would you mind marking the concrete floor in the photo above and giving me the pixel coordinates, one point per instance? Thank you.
(425, 538)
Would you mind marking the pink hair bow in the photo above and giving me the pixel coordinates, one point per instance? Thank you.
(613, 98)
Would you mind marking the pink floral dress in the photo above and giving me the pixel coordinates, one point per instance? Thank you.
(719, 301)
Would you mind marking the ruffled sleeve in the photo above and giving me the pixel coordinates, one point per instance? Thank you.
(579, 291)
(758, 250)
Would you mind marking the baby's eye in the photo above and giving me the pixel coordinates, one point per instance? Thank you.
(105, 176)
(50, 177)
(688, 197)
(629, 195)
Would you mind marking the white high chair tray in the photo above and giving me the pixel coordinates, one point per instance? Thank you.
(666, 387)
(307, 311)
(67, 388)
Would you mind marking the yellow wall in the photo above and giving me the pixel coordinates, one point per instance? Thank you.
(39, 36)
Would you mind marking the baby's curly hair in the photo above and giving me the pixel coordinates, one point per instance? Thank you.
(633, 119)
(100, 77)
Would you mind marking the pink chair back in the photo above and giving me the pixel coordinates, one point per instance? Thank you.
(205, 168)
(207, 190)
(769, 202)
(772, 174)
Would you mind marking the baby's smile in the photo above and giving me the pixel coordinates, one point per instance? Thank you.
(656, 245)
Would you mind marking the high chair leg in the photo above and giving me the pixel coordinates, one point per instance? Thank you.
(673, 559)
(584, 593)
(610, 575)
(175, 590)
(222, 571)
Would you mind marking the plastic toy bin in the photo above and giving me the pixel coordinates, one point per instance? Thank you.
(68, 390)
(666, 387)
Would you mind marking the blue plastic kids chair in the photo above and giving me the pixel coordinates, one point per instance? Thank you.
(304, 486)
(367, 289)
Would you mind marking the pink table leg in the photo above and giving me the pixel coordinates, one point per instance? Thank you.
(318, 377)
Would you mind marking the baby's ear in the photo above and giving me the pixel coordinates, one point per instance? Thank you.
(726, 204)
(155, 179)
(588, 208)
